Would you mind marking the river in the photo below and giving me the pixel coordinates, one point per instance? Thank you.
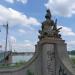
(20, 58)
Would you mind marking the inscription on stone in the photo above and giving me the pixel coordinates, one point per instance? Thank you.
(48, 59)
(51, 60)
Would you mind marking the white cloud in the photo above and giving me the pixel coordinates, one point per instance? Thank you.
(23, 1)
(71, 45)
(66, 31)
(22, 31)
(10, 1)
(13, 1)
(15, 17)
(61, 7)
(27, 41)
(27, 45)
(72, 42)
(21, 47)
(12, 39)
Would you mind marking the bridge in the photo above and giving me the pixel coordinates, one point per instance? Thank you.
(22, 53)
(7, 56)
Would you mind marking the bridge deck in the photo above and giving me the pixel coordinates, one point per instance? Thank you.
(22, 53)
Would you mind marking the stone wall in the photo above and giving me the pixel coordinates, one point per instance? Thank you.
(50, 58)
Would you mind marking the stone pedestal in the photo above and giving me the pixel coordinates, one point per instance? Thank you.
(48, 59)
(54, 57)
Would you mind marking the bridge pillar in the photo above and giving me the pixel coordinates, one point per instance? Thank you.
(54, 57)
(49, 56)
(53, 51)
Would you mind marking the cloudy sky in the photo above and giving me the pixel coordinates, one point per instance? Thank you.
(25, 17)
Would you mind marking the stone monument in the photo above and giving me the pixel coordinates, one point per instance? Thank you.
(50, 58)
(54, 56)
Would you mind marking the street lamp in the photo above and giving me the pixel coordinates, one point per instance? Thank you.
(6, 40)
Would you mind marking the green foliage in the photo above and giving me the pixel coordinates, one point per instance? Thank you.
(71, 52)
(17, 64)
(73, 60)
(72, 57)
(29, 72)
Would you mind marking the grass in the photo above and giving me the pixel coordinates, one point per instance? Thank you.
(73, 60)
(17, 64)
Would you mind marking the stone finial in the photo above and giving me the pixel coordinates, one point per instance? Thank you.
(49, 28)
(48, 14)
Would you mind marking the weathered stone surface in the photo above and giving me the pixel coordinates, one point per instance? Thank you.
(49, 27)
(50, 58)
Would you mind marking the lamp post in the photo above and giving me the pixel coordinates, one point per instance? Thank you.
(6, 37)
(6, 40)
